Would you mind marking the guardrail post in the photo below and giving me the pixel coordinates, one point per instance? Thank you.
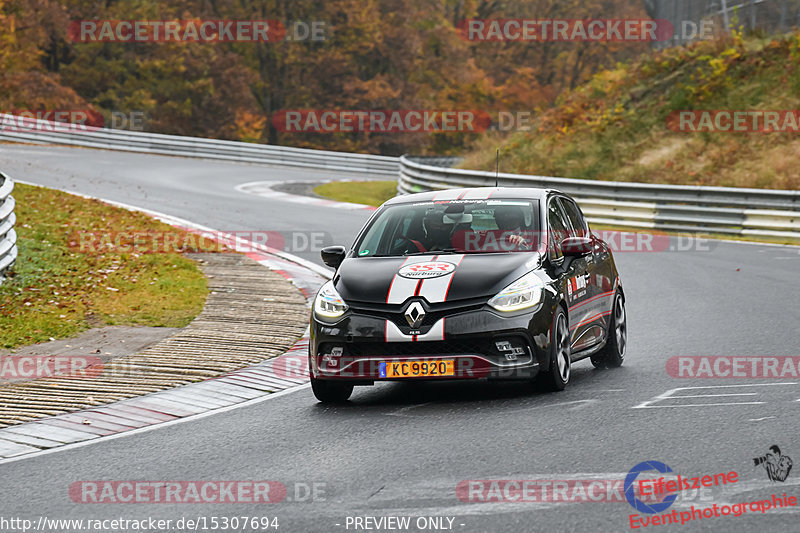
(8, 237)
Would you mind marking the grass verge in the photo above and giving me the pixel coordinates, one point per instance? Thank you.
(57, 291)
(622, 125)
(358, 192)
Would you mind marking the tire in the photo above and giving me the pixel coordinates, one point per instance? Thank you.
(327, 391)
(612, 355)
(558, 373)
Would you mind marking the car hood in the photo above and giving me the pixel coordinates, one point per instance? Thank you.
(392, 280)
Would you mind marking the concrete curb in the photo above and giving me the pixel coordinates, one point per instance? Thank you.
(280, 373)
(250, 315)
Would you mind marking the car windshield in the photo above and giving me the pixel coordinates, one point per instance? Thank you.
(465, 226)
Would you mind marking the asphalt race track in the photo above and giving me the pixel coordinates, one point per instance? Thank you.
(402, 450)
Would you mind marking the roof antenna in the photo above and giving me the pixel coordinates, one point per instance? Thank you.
(497, 169)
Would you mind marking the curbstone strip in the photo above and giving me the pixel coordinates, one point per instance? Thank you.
(235, 329)
(237, 386)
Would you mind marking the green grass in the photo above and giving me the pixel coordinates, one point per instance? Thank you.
(359, 192)
(57, 291)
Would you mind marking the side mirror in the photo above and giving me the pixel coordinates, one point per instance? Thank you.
(576, 246)
(333, 255)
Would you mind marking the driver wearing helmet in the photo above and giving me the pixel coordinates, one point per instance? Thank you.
(437, 231)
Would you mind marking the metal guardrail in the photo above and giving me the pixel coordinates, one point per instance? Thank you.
(733, 211)
(725, 210)
(42, 131)
(8, 237)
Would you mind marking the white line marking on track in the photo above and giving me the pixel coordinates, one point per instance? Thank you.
(716, 404)
(576, 405)
(716, 395)
(670, 395)
(403, 410)
(162, 425)
(266, 189)
(580, 404)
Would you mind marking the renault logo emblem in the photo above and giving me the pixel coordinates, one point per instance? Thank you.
(415, 314)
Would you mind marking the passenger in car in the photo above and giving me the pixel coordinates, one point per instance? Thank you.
(510, 221)
(437, 231)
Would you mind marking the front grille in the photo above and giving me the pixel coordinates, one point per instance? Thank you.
(396, 313)
(382, 309)
(383, 349)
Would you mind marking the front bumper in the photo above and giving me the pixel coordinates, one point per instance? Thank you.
(355, 347)
(465, 367)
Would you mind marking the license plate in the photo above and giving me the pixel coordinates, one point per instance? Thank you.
(417, 369)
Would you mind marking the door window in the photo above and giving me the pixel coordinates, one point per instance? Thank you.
(557, 229)
(579, 226)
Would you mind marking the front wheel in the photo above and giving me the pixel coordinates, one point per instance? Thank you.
(328, 391)
(557, 375)
(612, 355)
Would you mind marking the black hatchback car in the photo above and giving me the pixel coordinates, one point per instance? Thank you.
(496, 283)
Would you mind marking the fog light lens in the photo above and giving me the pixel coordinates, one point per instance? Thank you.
(510, 351)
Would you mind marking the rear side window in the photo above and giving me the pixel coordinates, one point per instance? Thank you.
(579, 226)
(557, 229)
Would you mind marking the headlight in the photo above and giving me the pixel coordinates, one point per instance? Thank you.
(522, 294)
(328, 303)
